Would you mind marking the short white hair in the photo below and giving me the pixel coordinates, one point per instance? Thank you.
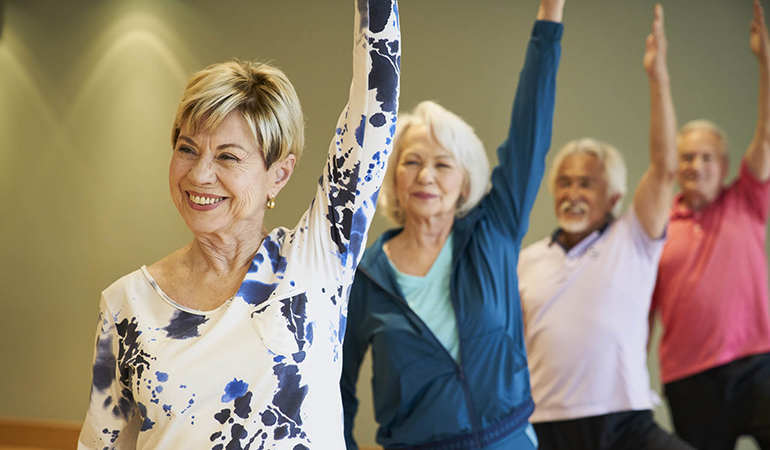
(612, 162)
(711, 127)
(455, 136)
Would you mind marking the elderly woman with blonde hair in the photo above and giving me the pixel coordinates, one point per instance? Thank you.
(233, 340)
(437, 299)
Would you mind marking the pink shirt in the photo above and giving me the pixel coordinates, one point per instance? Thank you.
(712, 290)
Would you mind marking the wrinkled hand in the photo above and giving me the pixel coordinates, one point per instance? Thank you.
(551, 10)
(657, 47)
(759, 40)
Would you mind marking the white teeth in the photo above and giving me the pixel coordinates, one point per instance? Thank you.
(205, 200)
(567, 207)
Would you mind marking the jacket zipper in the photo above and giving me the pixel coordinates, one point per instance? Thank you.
(458, 366)
(460, 371)
(413, 317)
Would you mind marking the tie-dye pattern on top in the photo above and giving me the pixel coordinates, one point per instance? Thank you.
(262, 371)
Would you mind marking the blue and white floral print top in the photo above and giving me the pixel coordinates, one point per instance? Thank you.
(262, 371)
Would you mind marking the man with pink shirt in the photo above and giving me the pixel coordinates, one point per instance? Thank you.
(712, 287)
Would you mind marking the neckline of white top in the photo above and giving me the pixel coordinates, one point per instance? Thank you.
(176, 305)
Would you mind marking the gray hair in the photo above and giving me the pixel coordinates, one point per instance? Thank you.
(454, 135)
(612, 162)
(711, 127)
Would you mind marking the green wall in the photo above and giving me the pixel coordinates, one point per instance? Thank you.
(88, 90)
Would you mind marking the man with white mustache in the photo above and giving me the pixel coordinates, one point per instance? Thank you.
(586, 290)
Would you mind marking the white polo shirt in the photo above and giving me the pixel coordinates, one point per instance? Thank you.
(585, 315)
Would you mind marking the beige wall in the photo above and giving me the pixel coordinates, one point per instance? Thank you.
(88, 90)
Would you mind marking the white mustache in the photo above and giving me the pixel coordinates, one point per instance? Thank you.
(575, 207)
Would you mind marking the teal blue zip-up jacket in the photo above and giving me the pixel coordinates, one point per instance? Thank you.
(423, 398)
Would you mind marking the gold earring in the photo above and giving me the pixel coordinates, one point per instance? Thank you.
(271, 202)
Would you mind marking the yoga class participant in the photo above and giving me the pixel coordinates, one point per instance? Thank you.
(712, 291)
(437, 299)
(586, 289)
(235, 340)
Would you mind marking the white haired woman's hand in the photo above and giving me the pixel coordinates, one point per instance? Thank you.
(551, 10)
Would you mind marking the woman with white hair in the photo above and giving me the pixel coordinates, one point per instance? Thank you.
(437, 300)
(233, 341)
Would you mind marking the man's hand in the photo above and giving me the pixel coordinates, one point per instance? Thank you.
(657, 48)
(653, 193)
(759, 40)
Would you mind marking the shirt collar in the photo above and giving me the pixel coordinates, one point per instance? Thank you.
(681, 211)
(678, 210)
(588, 240)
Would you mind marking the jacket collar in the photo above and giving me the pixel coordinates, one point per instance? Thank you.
(374, 264)
(463, 229)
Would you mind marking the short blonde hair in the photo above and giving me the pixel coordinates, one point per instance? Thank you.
(454, 135)
(612, 162)
(262, 93)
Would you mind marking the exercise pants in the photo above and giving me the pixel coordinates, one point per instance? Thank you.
(627, 430)
(712, 409)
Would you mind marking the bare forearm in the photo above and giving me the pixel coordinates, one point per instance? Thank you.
(763, 112)
(551, 10)
(663, 158)
(758, 154)
(653, 195)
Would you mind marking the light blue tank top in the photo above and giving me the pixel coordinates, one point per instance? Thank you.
(429, 297)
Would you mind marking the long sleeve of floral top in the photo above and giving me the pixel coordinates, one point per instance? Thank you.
(261, 371)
